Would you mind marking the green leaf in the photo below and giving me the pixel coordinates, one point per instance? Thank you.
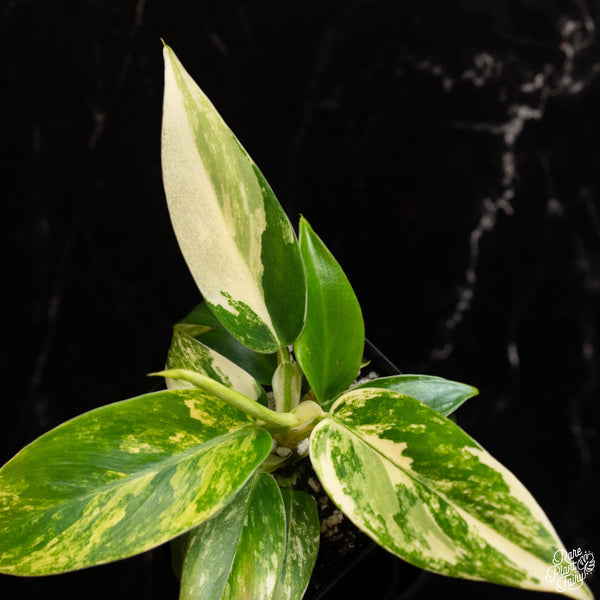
(235, 237)
(238, 553)
(186, 352)
(441, 394)
(123, 478)
(214, 335)
(427, 492)
(302, 545)
(331, 345)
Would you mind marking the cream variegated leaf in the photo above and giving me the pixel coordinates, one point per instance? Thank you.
(235, 237)
(122, 479)
(238, 553)
(427, 492)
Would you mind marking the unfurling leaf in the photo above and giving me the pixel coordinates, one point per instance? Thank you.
(287, 385)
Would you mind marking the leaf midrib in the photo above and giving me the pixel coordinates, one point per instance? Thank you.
(423, 481)
(162, 464)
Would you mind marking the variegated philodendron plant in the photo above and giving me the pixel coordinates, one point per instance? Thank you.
(194, 463)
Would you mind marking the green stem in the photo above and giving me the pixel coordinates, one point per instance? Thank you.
(283, 355)
(270, 419)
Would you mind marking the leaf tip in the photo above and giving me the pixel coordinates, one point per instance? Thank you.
(168, 53)
(158, 374)
(304, 224)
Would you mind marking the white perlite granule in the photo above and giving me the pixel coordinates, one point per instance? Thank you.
(330, 523)
(370, 376)
(314, 484)
(302, 447)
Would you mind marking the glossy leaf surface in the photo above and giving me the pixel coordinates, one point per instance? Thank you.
(186, 352)
(302, 545)
(236, 239)
(214, 335)
(123, 478)
(427, 492)
(238, 553)
(331, 345)
(441, 394)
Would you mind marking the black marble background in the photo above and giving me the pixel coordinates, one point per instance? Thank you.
(447, 152)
